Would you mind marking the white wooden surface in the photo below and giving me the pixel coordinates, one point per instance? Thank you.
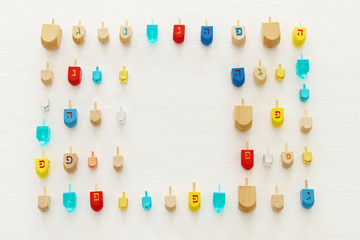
(179, 101)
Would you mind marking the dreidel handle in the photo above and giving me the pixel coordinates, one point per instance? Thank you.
(286, 146)
(79, 22)
(102, 24)
(96, 187)
(242, 102)
(70, 149)
(247, 145)
(194, 187)
(238, 22)
(179, 20)
(277, 103)
(246, 181)
(75, 62)
(170, 190)
(306, 184)
(44, 190)
(276, 190)
(123, 194)
(117, 151)
(70, 104)
(47, 65)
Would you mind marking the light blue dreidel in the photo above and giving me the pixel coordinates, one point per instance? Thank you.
(307, 196)
(304, 94)
(146, 201)
(238, 76)
(152, 32)
(43, 134)
(302, 67)
(69, 200)
(218, 200)
(97, 75)
(70, 116)
(206, 34)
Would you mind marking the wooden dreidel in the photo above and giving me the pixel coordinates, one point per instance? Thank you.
(92, 161)
(306, 123)
(45, 103)
(78, 33)
(218, 200)
(146, 201)
(307, 157)
(125, 33)
(207, 33)
(307, 196)
(270, 33)
(103, 34)
(43, 134)
(118, 160)
(304, 94)
(121, 115)
(70, 116)
(238, 75)
(247, 157)
(69, 200)
(123, 202)
(280, 73)
(247, 197)
(268, 158)
(238, 34)
(97, 76)
(51, 36)
(170, 201)
(96, 199)
(287, 157)
(277, 201)
(70, 161)
(243, 117)
(123, 75)
(260, 74)
(302, 67)
(277, 115)
(44, 201)
(42, 166)
(299, 36)
(47, 75)
(194, 199)
(152, 32)
(95, 116)
(74, 74)
(179, 32)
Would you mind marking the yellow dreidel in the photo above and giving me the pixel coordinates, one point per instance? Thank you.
(44, 201)
(277, 115)
(42, 166)
(194, 199)
(123, 202)
(299, 36)
(307, 157)
(280, 73)
(123, 75)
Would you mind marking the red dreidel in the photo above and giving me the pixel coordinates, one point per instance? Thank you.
(96, 199)
(247, 157)
(179, 32)
(74, 74)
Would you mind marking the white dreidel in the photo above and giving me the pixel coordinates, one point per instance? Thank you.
(268, 158)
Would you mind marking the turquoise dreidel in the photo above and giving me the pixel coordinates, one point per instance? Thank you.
(146, 201)
(307, 196)
(69, 200)
(302, 67)
(43, 134)
(304, 94)
(218, 200)
(97, 76)
(70, 116)
(152, 32)
(207, 34)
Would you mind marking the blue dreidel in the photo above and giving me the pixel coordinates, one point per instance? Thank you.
(97, 76)
(302, 67)
(307, 196)
(152, 32)
(206, 34)
(69, 200)
(218, 200)
(43, 134)
(304, 94)
(70, 116)
(238, 76)
(146, 201)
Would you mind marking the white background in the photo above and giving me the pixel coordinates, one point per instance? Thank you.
(179, 100)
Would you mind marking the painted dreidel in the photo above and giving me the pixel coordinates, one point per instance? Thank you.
(247, 157)
(238, 75)
(42, 166)
(287, 157)
(270, 33)
(69, 200)
(247, 197)
(306, 123)
(51, 35)
(152, 32)
(47, 75)
(302, 67)
(207, 33)
(70, 161)
(277, 115)
(170, 201)
(268, 158)
(280, 73)
(45, 103)
(123, 75)
(92, 161)
(121, 115)
(146, 201)
(194, 199)
(118, 160)
(74, 74)
(70, 116)
(179, 32)
(78, 33)
(307, 197)
(243, 117)
(125, 33)
(238, 33)
(299, 36)
(304, 93)
(43, 134)
(307, 157)
(103, 34)
(277, 201)
(218, 200)
(96, 199)
(95, 116)
(44, 201)
(123, 202)
(97, 76)
(260, 74)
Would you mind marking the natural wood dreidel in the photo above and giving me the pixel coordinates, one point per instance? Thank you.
(95, 116)
(78, 33)
(70, 161)
(47, 75)
(118, 160)
(243, 117)
(270, 33)
(125, 33)
(306, 123)
(170, 201)
(51, 36)
(260, 74)
(277, 201)
(103, 34)
(44, 201)
(307, 157)
(247, 197)
(287, 157)
(238, 34)
(92, 161)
